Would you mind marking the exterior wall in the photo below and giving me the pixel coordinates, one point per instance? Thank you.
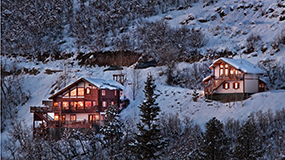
(251, 83)
(231, 89)
(251, 86)
(217, 72)
(81, 116)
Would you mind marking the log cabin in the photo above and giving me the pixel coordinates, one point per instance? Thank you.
(81, 104)
(233, 79)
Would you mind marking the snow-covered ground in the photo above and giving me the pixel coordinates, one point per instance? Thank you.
(230, 32)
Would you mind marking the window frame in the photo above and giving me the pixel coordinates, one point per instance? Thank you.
(63, 105)
(81, 91)
(104, 104)
(103, 93)
(72, 119)
(228, 85)
(89, 107)
(88, 90)
(234, 85)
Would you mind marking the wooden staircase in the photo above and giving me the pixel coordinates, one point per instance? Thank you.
(49, 120)
(214, 85)
(42, 113)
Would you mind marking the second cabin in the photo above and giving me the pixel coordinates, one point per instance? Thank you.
(233, 79)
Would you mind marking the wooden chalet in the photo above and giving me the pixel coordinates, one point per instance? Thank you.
(82, 104)
(233, 79)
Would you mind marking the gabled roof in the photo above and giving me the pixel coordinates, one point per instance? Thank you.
(240, 64)
(99, 83)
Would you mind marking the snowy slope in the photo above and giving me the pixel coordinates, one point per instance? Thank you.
(230, 32)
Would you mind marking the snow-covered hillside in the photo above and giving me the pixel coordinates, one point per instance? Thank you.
(227, 25)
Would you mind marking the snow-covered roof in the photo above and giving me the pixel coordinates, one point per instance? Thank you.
(100, 83)
(207, 77)
(105, 84)
(240, 64)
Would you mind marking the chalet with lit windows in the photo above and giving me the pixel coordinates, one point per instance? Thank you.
(233, 79)
(82, 104)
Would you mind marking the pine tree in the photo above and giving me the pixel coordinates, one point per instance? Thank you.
(148, 141)
(214, 144)
(195, 95)
(113, 132)
(249, 145)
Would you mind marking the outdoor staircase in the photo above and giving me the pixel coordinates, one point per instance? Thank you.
(215, 85)
(49, 120)
(42, 113)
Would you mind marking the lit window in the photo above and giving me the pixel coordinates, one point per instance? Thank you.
(63, 118)
(221, 71)
(80, 105)
(221, 65)
(80, 91)
(226, 70)
(56, 117)
(66, 94)
(226, 86)
(73, 92)
(104, 104)
(88, 90)
(102, 117)
(232, 72)
(73, 117)
(65, 105)
(55, 104)
(103, 93)
(73, 105)
(112, 103)
(88, 105)
(115, 92)
(92, 118)
(236, 85)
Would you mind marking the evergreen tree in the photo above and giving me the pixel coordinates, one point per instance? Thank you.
(113, 132)
(148, 141)
(195, 95)
(214, 144)
(249, 144)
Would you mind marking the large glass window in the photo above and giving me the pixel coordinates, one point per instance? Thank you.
(66, 94)
(88, 105)
(73, 105)
(80, 91)
(65, 105)
(80, 105)
(73, 92)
